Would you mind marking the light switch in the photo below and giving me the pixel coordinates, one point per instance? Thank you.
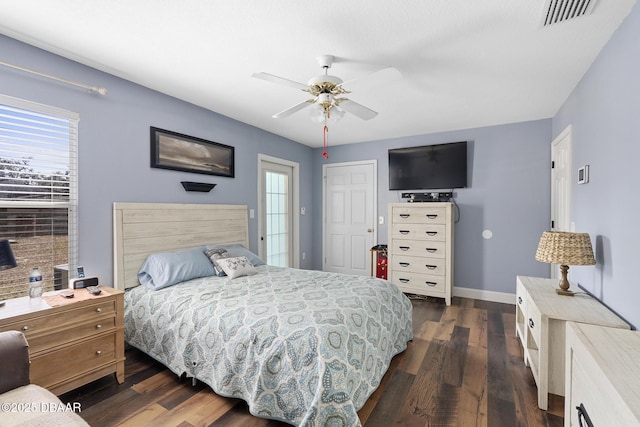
(380, 220)
(303, 210)
(252, 213)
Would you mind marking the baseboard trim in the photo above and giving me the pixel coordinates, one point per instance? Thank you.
(484, 295)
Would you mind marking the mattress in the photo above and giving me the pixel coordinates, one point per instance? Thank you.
(301, 346)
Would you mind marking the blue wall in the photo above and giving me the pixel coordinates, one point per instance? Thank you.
(508, 193)
(114, 149)
(604, 113)
(509, 169)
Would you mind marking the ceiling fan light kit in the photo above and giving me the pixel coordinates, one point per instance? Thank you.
(325, 103)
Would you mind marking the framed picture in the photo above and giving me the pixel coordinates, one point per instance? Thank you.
(172, 150)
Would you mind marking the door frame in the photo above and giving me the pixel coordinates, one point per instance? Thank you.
(295, 202)
(372, 162)
(565, 134)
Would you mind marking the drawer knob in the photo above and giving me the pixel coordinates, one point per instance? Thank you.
(431, 233)
(531, 324)
(25, 328)
(404, 280)
(404, 264)
(404, 248)
(404, 216)
(404, 231)
(431, 250)
(98, 326)
(432, 284)
(431, 267)
(432, 216)
(98, 310)
(98, 353)
(519, 300)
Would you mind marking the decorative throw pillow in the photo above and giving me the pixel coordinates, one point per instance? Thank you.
(215, 255)
(236, 250)
(237, 267)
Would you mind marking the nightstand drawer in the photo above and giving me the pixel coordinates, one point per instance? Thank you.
(418, 248)
(46, 322)
(521, 297)
(420, 231)
(409, 215)
(422, 265)
(57, 366)
(534, 321)
(38, 343)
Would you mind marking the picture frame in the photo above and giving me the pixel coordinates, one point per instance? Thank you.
(176, 151)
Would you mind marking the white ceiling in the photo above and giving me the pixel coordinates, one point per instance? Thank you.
(464, 63)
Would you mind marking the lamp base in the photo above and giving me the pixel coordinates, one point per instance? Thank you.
(563, 288)
(565, 293)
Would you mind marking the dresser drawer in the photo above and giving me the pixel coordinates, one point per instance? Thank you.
(57, 366)
(419, 248)
(49, 321)
(418, 283)
(411, 215)
(534, 321)
(60, 337)
(420, 231)
(422, 265)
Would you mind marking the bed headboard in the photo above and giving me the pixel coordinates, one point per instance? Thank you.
(140, 229)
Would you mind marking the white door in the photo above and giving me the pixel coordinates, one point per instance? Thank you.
(349, 217)
(278, 214)
(561, 186)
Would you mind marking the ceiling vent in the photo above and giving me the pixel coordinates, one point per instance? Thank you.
(557, 11)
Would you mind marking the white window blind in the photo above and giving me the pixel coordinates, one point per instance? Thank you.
(38, 192)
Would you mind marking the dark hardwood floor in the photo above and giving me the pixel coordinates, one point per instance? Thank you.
(464, 367)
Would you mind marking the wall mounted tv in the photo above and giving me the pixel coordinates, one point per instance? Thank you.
(439, 166)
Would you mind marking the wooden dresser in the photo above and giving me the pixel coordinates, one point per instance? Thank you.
(420, 248)
(541, 317)
(602, 376)
(71, 344)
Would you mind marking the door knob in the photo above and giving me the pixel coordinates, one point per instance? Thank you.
(369, 230)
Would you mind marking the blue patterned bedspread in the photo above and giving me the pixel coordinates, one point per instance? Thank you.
(301, 346)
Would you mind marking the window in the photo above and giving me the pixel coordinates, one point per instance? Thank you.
(38, 192)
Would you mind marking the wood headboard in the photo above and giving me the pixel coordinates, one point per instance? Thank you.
(140, 229)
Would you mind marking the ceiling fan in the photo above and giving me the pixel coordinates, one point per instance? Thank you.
(327, 91)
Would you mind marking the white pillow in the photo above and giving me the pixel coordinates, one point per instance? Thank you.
(237, 267)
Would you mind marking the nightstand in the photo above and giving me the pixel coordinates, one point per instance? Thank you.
(541, 315)
(73, 343)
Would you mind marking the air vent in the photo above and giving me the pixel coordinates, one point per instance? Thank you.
(557, 11)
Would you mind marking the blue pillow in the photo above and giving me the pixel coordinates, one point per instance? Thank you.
(165, 269)
(236, 250)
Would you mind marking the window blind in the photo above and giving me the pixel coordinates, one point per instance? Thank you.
(38, 192)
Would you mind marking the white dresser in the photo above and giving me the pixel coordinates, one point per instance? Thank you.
(602, 376)
(420, 248)
(541, 316)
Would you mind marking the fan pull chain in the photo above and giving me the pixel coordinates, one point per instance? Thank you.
(324, 145)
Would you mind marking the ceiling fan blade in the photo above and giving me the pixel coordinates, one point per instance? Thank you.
(280, 80)
(289, 111)
(358, 110)
(383, 75)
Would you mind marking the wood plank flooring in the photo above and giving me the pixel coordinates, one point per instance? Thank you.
(464, 368)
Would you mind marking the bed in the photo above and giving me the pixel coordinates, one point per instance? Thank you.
(304, 347)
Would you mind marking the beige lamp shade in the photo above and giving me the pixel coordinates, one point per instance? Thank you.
(561, 247)
(565, 248)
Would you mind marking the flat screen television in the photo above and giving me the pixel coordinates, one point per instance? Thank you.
(428, 167)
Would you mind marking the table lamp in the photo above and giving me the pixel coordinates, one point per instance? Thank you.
(565, 248)
(7, 260)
